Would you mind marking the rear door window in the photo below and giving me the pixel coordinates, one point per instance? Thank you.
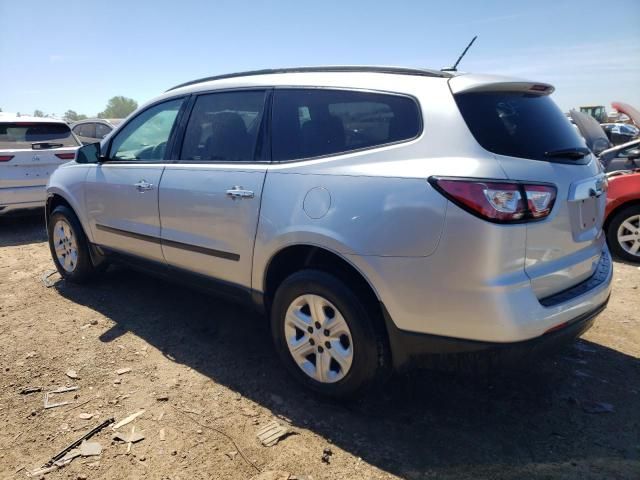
(224, 127)
(315, 122)
(22, 135)
(518, 124)
(85, 130)
(102, 130)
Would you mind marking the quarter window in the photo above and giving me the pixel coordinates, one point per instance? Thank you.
(310, 123)
(224, 127)
(145, 137)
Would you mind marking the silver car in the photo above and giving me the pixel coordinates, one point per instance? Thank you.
(381, 217)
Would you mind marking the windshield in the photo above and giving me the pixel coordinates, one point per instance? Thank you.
(518, 124)
(17, 135)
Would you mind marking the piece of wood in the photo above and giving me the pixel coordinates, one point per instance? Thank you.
(128, 419)
(271, 433)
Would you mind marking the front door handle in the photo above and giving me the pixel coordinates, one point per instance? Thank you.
(143, 186)
(239, 192)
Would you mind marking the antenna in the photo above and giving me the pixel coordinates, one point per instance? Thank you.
(455, 65)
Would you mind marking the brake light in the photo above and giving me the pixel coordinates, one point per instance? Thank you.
(66, 156)
(5, 158)
(539, 88)
(498, 201)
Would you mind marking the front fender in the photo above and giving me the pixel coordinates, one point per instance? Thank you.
(68, 182)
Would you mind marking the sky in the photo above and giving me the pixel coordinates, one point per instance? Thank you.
(56, 56)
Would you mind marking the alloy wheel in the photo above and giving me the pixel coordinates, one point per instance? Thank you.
(65, 245)
(628, 235)
(318, 338)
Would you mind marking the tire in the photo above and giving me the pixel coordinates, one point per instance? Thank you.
(369, 353)
(623, 250)
(74, 264)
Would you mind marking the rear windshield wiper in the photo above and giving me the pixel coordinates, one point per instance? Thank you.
(45, 145)
(573, 153)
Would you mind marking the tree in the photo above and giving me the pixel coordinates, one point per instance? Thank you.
(73, 116)
(119, 107)
(38, 113)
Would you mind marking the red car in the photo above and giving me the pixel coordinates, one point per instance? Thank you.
(622, 216)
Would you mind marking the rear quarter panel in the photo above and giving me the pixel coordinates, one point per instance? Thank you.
(376, 202)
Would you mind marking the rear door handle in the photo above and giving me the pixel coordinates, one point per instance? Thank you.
(239, 192)
(143, 186)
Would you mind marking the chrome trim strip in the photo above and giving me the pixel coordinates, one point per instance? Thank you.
(171, 243)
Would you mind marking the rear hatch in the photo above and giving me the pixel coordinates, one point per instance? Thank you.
(534, 142)
(31, 150)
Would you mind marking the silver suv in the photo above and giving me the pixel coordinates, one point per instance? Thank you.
(379, 216)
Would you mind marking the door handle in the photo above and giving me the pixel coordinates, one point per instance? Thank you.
(239, 192)
(143, 186)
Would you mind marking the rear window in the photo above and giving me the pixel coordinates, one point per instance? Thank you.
(311, 123)
(517, 124)
(24, 134)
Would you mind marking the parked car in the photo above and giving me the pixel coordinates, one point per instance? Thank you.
(94, 129)
(30, 150)
(613, 158)
(379, 216)
(622, 222)
(619, 133)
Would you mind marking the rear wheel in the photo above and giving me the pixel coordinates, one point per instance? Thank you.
(69, 246)
(623, 234)
(326, 336)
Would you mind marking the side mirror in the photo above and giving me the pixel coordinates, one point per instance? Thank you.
(88, 153)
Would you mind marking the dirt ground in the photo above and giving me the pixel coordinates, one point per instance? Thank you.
(206, 375)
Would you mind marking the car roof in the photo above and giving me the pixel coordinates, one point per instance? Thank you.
(91, 120)
(321, 69)
(12, 117)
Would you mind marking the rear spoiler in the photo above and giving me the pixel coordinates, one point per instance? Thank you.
(491, 83)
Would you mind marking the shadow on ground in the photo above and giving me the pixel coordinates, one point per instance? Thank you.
(423, 422)
(22, 229)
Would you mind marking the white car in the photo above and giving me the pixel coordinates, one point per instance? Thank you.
(31, 148)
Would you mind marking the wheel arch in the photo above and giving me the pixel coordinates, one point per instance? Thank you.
(618, 209)
(57, 197)
(292, 258)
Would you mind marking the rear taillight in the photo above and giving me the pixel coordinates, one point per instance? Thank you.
(498, 201)
(66, 156)
(5, 158)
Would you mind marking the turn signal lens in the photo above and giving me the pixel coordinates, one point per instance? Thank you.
(498, 201)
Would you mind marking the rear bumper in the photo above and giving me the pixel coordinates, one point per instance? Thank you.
(21, 198)
(417, 349)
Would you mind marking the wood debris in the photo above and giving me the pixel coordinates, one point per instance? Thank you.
(271, 433)
(29, 390)
(48, 405)
(128, 419)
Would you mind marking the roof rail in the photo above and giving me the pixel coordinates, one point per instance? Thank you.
(347, 68)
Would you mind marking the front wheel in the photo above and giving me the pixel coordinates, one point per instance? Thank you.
(327, 338)
(623, 234)
(69, 246)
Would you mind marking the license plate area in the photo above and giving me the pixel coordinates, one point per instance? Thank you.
(587, 200)
(588, 213)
